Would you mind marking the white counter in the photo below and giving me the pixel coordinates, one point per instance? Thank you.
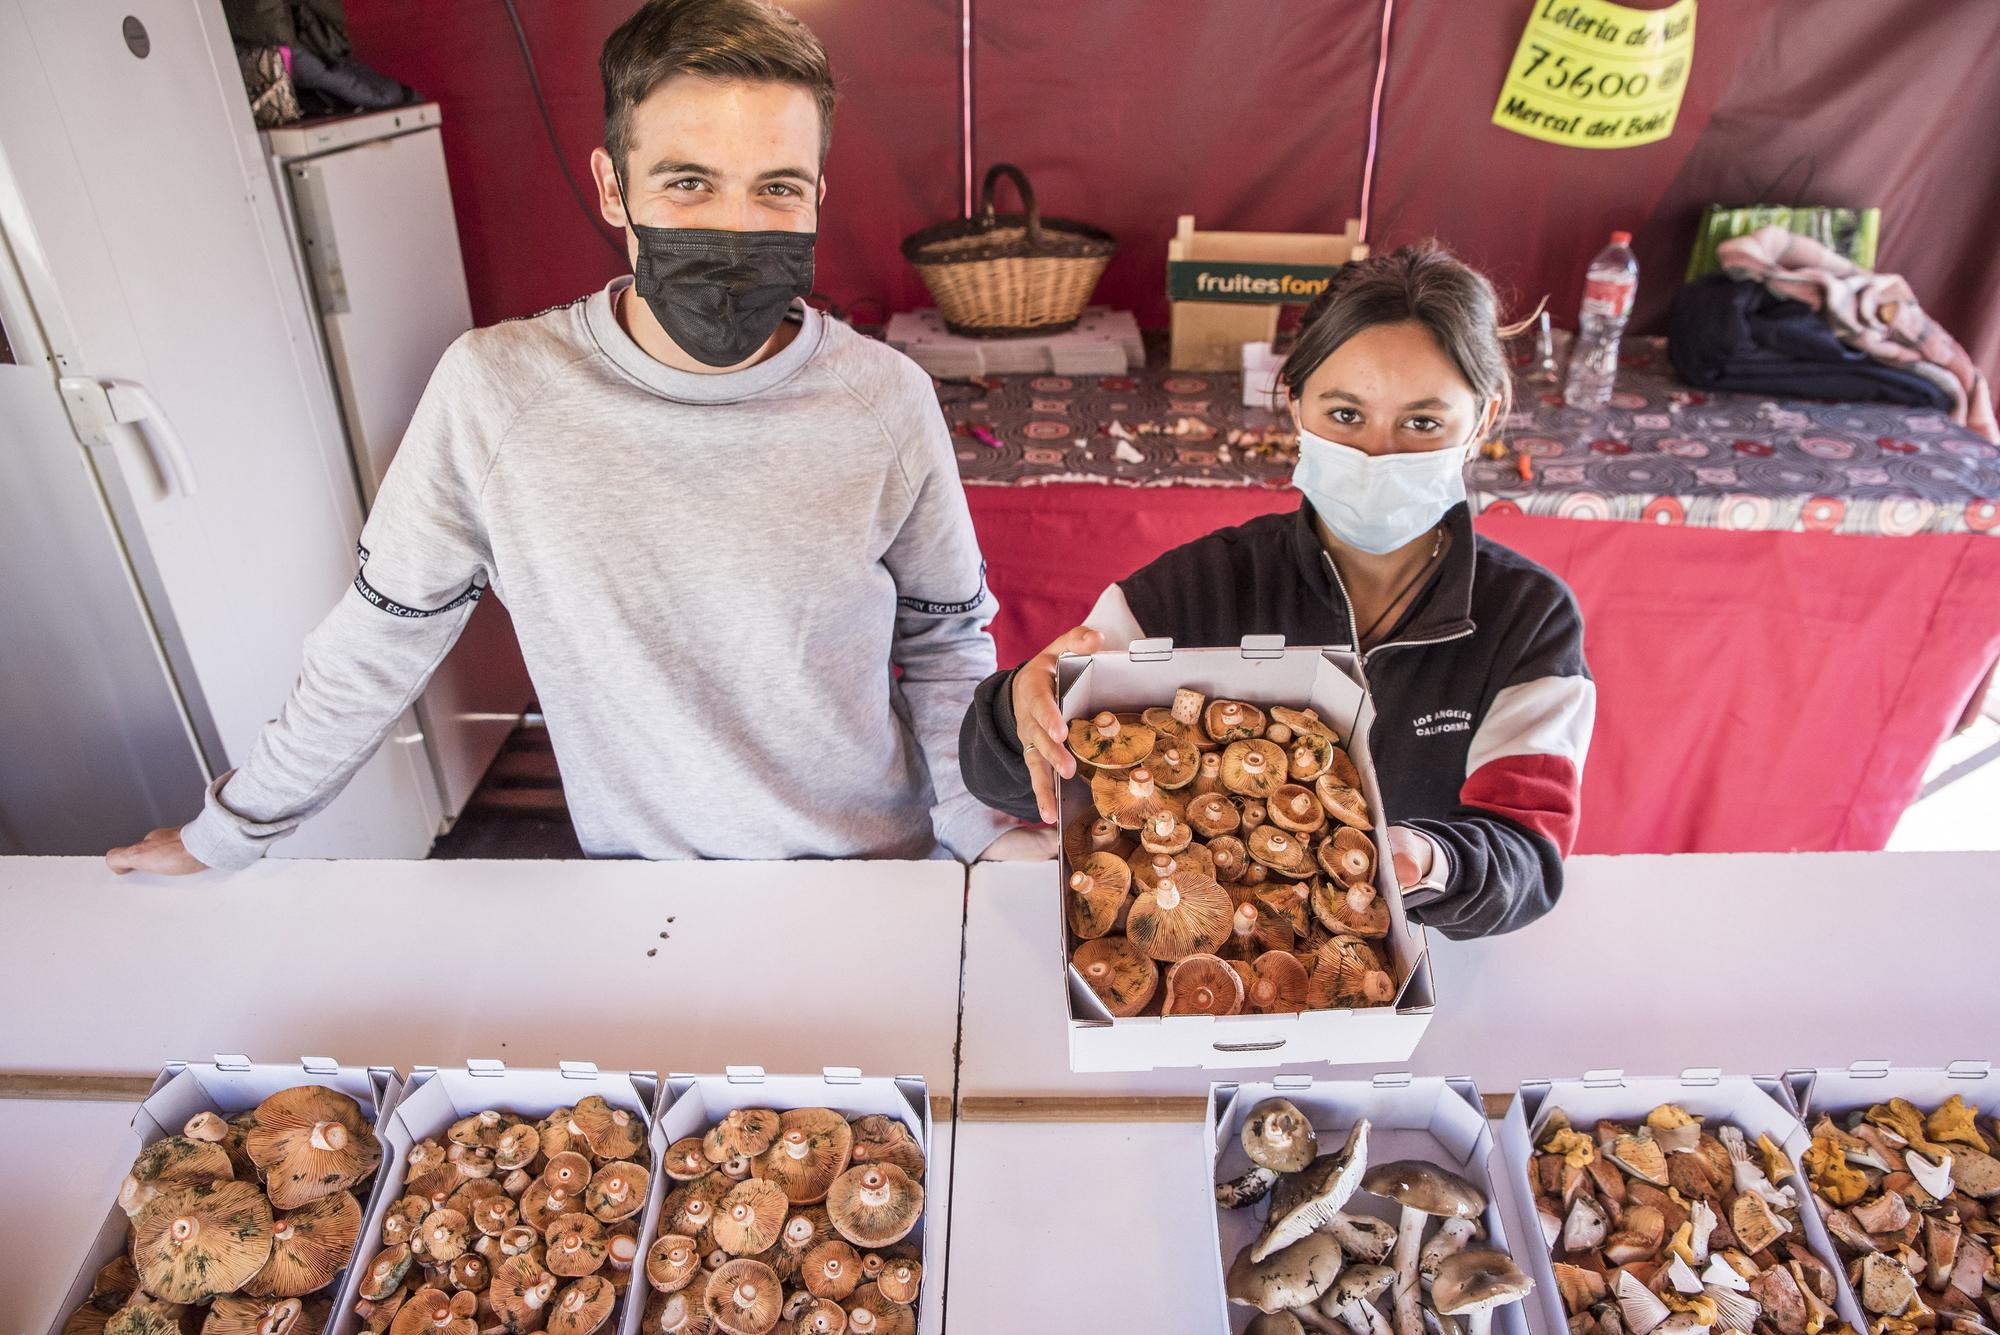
(1748, 962)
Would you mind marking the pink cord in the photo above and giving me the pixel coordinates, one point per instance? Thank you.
(1374, 116)
(965, 99)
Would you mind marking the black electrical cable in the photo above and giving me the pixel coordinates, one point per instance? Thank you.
(555, 145)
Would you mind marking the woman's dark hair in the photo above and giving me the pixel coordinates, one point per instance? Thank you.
(717, 39)
(1422, 284)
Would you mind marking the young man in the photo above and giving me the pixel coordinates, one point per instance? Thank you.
(718, 519)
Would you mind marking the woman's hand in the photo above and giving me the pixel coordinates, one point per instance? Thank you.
(1038, 718)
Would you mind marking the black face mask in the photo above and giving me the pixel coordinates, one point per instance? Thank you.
(720, 295)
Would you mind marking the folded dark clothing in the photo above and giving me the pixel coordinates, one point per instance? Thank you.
(1738, 336)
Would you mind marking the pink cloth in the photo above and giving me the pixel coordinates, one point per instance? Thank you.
(1875, 313)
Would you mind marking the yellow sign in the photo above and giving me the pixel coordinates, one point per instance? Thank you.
(1591, 74)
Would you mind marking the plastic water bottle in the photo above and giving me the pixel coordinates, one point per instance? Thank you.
(1607, 303)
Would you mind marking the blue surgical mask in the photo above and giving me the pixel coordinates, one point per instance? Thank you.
(1378, 502)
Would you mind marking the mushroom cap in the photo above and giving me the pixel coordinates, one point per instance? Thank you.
(309, 1246)
(1202, 985)
(1097, 891)
(617, 1191)
(1227, 721)
(1277, 983)
(1162, 833)
(1212, 815)
(870, 1312)
(1304, 722)
(1274, 1323)
(1307, 755)
(678, 1313)
(442, 1236)
(1478, 1280)
(556, 1135)
(1290, 1278)
(173, 1161)
(900, 1280)
(744, 1131)
(1092, 833)
(1293, 807)
(744, 1297)
(516, 1146)
(235, 1314)
(875, 1204)
(1344, 802)
(672, 1262)
(480, 1129)
(1347, 972)
(582, 1306)
(1230, 856)
(1183, 915)
(1123, 976)
(494, 1215)
(193, 1242)
(141, 1319)
(878, 1138)
(831, 1269)
(520, 1291)
(685, 1161)
(1128, 798)
(430, 1311)
(611, 1133)
(1282, 851)
(1333, 906)
(750, 1217)
(1425, 1187)
(1277, 1135)
(1362, 1283)
(1254, 768)
(1174, 764)
(310, 1141)
(576, 1246)
(1149, 869)
(1341, 769)
(1307, 1201)
(819, 1316)
(813, 1147)
(1348, 856)
(1109, 741)
(386, 1272)
(690, 1208)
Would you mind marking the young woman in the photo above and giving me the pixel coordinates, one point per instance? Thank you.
(1473, 653)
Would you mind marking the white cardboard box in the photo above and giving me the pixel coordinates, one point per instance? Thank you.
(691, 1104)
(230, 1085)
(1260, 376)
(1438, 1120)
(432, 1099)
(1757, 1104)
(1865, 1084)
(1264, 673)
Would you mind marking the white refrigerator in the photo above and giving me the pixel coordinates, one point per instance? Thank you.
(178, 500)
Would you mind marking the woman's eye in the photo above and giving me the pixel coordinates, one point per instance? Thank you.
(1425, 424)
(1345, 416)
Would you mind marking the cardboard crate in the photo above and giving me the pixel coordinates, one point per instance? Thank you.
(1261, 672)
(1441, 1121)
(1757, 1104)
(230, 1085)
(433, 1098)
(1864, 1084)
(690, 1104)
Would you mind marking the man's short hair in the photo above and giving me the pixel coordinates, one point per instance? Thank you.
(716, 39)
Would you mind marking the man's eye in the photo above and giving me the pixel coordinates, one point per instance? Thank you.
(786, 190)
(687, 184)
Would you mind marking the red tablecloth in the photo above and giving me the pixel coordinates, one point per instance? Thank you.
(1756, 690)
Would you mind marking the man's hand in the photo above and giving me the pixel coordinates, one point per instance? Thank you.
(1038, 718)
(1026, 844)
(160, 852)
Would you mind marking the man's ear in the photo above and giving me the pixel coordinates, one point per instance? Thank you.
(821, 201)
(610, 203)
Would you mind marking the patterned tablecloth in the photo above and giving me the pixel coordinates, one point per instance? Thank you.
(1661, 452)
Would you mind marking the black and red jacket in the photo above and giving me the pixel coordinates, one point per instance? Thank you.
(1483, 703)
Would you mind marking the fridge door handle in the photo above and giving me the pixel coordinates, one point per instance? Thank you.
(95, 406)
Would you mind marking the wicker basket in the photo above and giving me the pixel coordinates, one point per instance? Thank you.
(1010, 275)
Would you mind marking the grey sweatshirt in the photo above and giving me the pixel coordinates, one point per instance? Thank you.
(711, 577)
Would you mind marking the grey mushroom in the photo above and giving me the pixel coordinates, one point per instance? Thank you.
(1294, 1277)
(1364, 1237)
(1252, 1187)
(1473, 1283)
(1452, 1237)
(1307, 1202)
(1352, 1299)
(1586, 1227)
(1422, 1190)
(1277, 1135)
(1274, 1323)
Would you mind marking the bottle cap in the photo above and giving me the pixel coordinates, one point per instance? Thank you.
(1621, 238)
